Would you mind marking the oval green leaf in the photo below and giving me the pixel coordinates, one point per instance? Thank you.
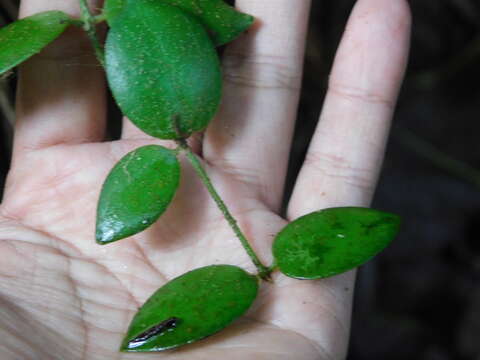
(332, 241)
(223, 21)
(24, 38)
(191, 307)
(163, 69)
(136, 192)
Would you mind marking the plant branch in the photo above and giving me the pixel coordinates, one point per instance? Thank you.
(89, 22)
(100, 18)
(263, 271)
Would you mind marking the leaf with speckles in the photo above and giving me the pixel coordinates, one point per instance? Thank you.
(332, 241)
(191, 307)
(136, 192)
(223, 21)
(26, 37)
(163, 69)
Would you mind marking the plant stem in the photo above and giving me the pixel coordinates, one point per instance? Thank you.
(263, 271)
(100, 18)
(89, 22)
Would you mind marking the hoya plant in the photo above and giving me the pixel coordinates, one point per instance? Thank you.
(162, 66)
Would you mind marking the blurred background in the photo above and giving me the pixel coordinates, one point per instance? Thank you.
(419, 299)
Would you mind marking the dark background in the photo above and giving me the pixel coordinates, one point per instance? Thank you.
(418, 300)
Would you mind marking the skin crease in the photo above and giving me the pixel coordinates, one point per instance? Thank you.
(64, 297)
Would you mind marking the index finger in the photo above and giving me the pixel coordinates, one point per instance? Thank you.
(61, 90)
(250, 138)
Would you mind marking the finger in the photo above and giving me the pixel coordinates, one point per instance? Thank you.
(250, 137)
(61, 96)
(346, 152)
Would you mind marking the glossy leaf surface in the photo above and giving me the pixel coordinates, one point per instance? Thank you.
(223, 21)
(191, 307)
(26, 37)
(136, 192)
(163, 69)
(332, 241)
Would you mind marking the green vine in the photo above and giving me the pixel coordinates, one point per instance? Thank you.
(263, 271)
(89, 25)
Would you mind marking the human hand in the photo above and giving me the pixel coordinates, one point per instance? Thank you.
(62, 296)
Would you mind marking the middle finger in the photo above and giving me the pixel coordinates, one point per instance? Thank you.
(250, 138)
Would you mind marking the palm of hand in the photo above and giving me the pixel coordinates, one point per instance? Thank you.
(68, 291)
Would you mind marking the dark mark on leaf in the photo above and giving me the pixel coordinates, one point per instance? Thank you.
(166, 325)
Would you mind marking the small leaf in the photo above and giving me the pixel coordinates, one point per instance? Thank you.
(223, 21)
(191, 307)
(163, 69)
(26, 37)
(332, 241)
(136, 192)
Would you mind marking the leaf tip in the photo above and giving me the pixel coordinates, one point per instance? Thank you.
(124, 347)
(129, 345)
(397, 219)
(249, 19)
(393, 220)
(104, 237)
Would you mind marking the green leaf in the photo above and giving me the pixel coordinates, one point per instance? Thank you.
(223, 21)
(163, 69)
(112, 9)
(332, 241)
(26, 37)
(191, 307)
(136, 192)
